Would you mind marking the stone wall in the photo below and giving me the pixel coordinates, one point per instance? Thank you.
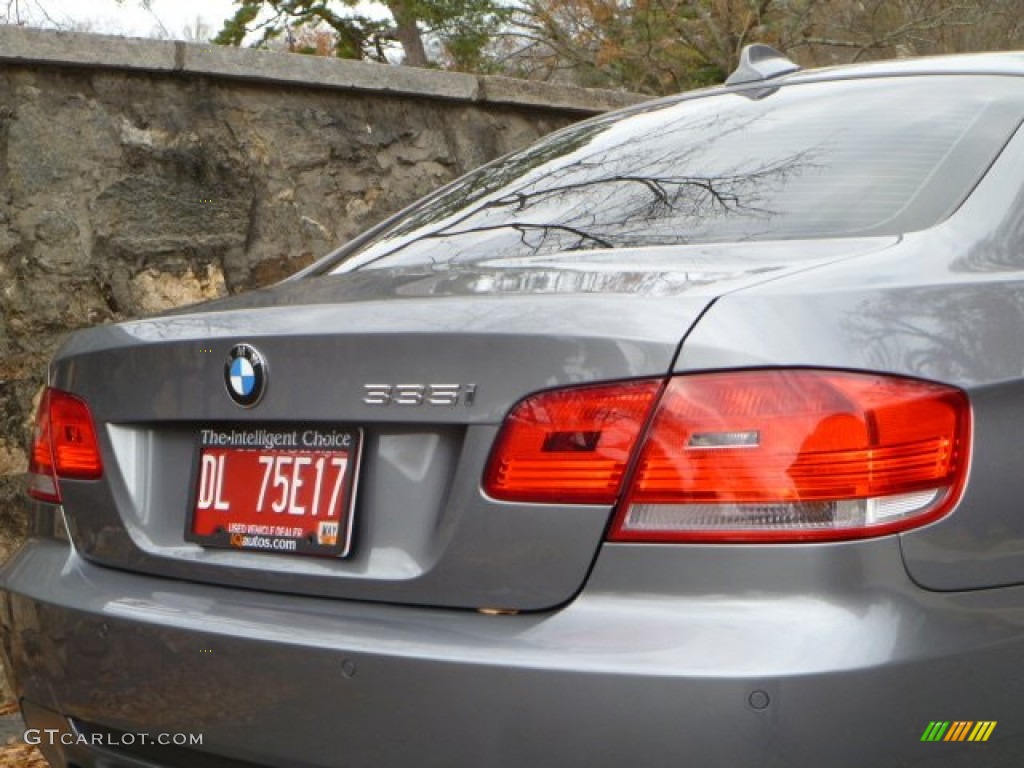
(141, 175)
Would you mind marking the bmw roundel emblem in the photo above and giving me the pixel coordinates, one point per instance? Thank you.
(245, 374)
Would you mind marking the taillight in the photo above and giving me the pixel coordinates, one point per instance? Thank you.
(63, 445)
(743, 456)
(570, 445)
(796, 455)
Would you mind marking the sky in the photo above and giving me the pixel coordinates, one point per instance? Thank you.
(175, 19)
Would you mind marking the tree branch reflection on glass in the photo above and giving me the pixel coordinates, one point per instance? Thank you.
(799, 163)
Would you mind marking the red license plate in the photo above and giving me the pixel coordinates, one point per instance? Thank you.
(289, 491)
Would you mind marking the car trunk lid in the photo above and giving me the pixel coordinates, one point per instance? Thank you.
(483, 337)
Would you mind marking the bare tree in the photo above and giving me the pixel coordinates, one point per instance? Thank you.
(28, 13)
(839, 31)
(659, 46)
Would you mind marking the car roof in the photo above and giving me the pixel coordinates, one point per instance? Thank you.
(999, 63)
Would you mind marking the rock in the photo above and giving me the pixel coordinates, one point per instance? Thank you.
(12, 458)
(155, 291)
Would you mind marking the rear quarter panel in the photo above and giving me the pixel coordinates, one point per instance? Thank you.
(946, 304)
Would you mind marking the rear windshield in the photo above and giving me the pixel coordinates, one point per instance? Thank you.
(836, 159)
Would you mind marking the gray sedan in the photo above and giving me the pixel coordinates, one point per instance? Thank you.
(689, 436)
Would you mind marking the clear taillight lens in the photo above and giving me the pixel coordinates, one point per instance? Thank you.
(796, 455)
(63, 445)
(570, 445)
(774, 455)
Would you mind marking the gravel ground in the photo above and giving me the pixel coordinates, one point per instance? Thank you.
(21, 756)
(15, 753)
(11, 726)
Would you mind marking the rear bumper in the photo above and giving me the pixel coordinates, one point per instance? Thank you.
(666, 674)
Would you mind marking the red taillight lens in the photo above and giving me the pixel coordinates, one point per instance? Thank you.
(42, 478)
(63, 445)
(742, 456)
(571, 445)
(796, 455)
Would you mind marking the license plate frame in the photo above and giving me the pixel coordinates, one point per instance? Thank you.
(263, 468)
